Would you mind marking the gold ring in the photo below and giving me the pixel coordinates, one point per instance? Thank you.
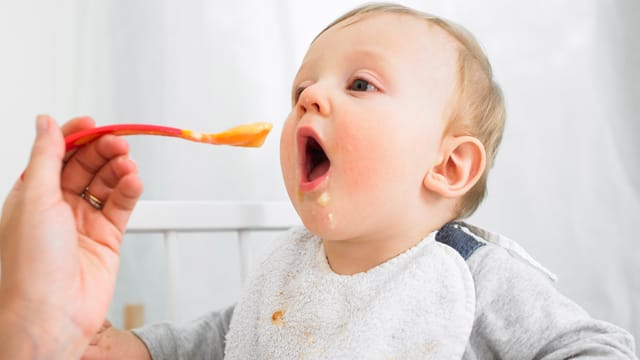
(92, 199)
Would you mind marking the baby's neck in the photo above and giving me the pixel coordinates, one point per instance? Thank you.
(348, 257)
(389, 239)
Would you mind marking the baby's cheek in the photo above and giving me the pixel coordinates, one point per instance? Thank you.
(366, 167)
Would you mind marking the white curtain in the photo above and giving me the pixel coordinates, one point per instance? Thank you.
(566, 183)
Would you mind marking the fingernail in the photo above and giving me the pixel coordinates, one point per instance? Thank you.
(42, 124)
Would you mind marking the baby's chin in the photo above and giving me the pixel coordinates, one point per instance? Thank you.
(320, 223)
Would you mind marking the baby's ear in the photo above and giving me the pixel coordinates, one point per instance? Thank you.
(463, 161)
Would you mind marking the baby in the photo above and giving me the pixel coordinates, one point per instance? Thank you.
(395, 123)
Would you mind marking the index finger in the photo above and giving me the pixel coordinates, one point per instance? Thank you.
(74, 125)
(83, 166)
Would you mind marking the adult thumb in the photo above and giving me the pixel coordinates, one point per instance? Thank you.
(42, 174)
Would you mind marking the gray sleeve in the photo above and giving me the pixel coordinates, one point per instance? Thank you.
(203, 338)
(520, 315)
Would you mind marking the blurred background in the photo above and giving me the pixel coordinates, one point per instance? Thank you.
(566, 183)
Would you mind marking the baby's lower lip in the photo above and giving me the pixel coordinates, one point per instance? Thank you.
(314, 185)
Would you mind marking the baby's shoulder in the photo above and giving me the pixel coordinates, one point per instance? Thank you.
(512, 288)
(496, 256)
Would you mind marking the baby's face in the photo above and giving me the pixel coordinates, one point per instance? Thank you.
(370, 104)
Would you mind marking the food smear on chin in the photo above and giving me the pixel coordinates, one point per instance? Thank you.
(323, 199)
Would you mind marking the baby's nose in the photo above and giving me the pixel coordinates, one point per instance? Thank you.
(314, 99)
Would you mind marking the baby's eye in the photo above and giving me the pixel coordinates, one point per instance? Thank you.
(296, 94)
(362, 85)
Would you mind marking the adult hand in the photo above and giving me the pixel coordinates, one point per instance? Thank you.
(59, 253)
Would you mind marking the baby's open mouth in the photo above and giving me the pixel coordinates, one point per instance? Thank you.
(316, 163)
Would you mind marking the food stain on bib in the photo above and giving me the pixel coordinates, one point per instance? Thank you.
(277, 318)
(310, 339)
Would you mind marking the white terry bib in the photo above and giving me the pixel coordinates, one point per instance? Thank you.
(418, 305)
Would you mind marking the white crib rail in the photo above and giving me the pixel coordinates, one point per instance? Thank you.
(173, 217)
(183, 216)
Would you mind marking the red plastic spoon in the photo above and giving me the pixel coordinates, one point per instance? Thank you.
(248, 135)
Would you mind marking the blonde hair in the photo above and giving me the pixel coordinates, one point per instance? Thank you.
(479, 109)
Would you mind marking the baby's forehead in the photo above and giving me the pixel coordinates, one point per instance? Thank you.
(386, 35)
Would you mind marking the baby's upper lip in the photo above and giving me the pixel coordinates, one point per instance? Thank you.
(304, 133)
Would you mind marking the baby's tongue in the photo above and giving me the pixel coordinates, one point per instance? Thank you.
(319, 170)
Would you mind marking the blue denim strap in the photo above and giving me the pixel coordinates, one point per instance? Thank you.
(460, 241)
